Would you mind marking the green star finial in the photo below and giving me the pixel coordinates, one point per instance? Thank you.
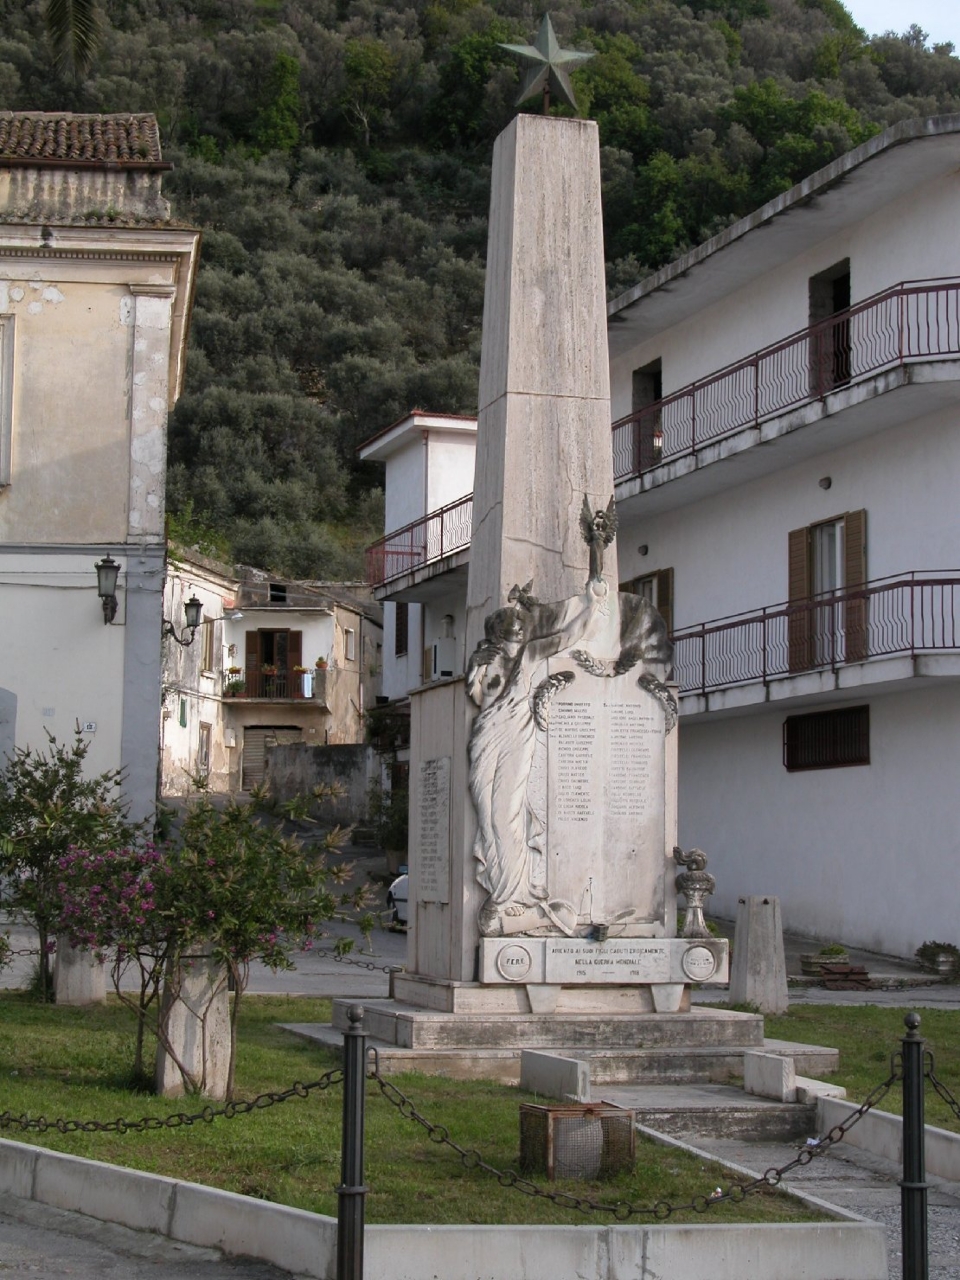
(549, 70)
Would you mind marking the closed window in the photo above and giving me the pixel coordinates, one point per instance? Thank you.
(827, 739)
(208, 660)
(401, 629)
(349, 644)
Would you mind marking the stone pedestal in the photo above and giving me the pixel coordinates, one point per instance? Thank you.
(78, 977)
(197, 1010)
(759, 972)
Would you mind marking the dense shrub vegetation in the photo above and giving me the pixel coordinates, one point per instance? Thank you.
(336, 154)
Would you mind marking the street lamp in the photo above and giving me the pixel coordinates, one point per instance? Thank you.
(193, 608)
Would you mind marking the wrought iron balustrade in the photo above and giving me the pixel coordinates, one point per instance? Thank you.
(907, 614)
(262, 682)
(439, 533)
(915, 321)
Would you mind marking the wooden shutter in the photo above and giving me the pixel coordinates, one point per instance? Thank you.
(295, 649)
(855, 620)
(799, 614)
(400, 640)
(665, 597)
(252, 663)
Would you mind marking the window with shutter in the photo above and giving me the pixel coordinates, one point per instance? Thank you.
(401, 627)
(657, 587)
(827, 619)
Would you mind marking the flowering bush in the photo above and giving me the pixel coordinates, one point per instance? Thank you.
(231, 883)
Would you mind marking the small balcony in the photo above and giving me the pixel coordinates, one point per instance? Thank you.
(908, 324)
(431, 540)
(912, 620)
(274, 684)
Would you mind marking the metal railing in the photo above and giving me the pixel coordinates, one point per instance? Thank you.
(433, 536)
(912, 321)
(263, 682)
(909, 613)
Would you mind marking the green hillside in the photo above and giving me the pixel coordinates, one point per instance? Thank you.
(337, 155)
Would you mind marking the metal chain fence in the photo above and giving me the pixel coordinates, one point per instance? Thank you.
(229, 1111)
(735, 1193)
(939, 1087)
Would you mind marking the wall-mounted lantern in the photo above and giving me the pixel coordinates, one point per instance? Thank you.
(193, 609)
(107, 573)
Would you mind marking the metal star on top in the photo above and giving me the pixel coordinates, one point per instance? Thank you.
(549, 69)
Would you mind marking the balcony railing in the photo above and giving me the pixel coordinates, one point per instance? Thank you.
(432, 537)
(909, 322)
(908, 614)
(265, 682)
(915, 321)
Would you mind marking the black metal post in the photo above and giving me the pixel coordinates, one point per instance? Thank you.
(913, 1187)
(351, 1192)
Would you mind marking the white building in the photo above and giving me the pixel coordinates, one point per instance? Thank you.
(96, 284)
(787, 451)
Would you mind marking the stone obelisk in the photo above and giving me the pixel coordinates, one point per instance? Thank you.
(543, 435)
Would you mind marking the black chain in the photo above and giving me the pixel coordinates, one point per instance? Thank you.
(228, 1111)
(735, 1193)
(27, 951)
(362, 964)
(939, 1087)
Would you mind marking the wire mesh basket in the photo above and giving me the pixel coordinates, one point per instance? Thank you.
(577, 1140)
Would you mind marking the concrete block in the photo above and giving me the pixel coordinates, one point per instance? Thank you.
(882, 1134)
(811, 1090)
(788, 1251)
(78, 978)
(768, 1075)
(758, 975)
(104, 1191)
(301, 1242)
(18, 1163)
(197, 1006)
(484, 1253)
(553, 1076)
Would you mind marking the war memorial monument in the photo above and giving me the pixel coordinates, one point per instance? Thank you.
(543, 906)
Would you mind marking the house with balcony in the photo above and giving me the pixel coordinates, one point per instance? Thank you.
(786, 439)
(271, 662)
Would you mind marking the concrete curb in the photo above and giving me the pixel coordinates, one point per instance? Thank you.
(882, 1135)
(305, 1243)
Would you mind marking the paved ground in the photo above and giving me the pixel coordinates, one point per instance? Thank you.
(40, 1242)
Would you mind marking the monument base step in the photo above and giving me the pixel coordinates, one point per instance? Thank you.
(713, 1110)
(407, 1027)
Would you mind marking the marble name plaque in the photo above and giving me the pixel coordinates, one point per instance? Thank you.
(605, 800)
(432, 847)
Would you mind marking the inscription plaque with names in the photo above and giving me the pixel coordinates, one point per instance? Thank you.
(432, 849)
(605, 800)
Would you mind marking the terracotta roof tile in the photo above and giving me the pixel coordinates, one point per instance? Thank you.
(50, 137)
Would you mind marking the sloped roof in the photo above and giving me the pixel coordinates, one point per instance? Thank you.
(60, 137)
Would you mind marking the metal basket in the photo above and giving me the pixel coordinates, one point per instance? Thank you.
(577, 1140)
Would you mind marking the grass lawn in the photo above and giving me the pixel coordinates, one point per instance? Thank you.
(73, 1064)
(866, 1036)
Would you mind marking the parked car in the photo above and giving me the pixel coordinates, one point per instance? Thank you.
(397, 897)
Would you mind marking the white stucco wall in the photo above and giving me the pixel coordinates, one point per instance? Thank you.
(915, 238)
(449, 467)
(405, 485)
(729, 552)
(865, 855)
(57, 656)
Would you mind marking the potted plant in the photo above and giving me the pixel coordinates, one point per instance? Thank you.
(812, 962)
(321, 664)
(939, 957)
(234, 688)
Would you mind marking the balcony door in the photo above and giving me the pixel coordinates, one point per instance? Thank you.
(827, 615)
(648, 426)
(271, 655)
(830, 347)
